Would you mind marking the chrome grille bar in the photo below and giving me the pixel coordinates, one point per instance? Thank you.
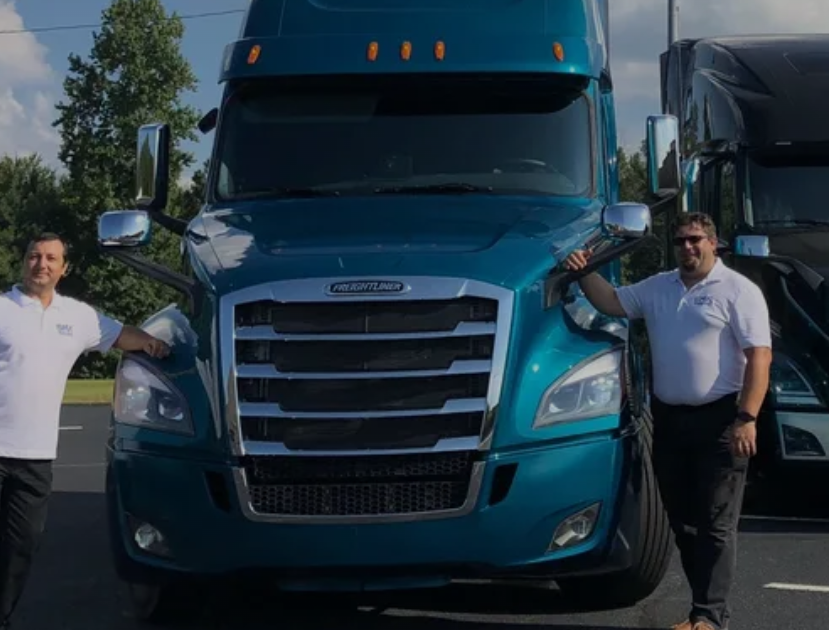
(267, 333)
(460, 326)
(270, 372)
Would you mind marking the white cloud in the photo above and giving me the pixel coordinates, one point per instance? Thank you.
(26, 107)
(640, 34)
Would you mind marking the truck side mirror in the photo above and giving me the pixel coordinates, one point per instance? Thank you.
(124, 228)
(624, 225)
(153, 167)
(626, 221)
(664, 178)
(752, 245)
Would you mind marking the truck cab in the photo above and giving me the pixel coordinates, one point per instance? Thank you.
(382, 376)
(755, 155)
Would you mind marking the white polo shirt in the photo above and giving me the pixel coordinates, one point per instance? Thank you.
(697, 335)
(38, 348)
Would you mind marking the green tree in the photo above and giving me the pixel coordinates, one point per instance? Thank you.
(190, 199)
(29, 203)
(633, 186)
(135, 74)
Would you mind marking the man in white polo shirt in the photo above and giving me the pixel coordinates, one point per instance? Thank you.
(42, 334)
(710, 340)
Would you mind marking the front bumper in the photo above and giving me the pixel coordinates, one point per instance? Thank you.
(507, 533)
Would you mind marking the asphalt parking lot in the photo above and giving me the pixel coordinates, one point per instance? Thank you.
(783, 579)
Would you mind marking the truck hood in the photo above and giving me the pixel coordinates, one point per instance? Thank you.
(509, 241)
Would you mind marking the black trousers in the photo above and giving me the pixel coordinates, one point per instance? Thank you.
(702, 484)
(25, 487)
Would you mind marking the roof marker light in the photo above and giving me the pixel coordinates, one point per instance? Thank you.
(558, 51)
(371, 53)
(406, 51)
(440, 51)
(253, 55)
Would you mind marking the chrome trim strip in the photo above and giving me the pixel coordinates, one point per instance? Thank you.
(267, 333)
(472, 496)
(272, 410)
(279, 448)
(269, 371)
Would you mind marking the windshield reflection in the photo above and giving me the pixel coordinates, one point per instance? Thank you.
(788, 192)
(389, 136)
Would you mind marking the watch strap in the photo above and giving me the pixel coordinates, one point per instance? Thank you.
(745, 416)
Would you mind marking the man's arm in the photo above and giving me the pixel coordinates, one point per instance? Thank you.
(133, 339)
(602, 295)
(752, 329)
(756, 380)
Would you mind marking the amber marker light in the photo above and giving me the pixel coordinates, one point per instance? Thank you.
(558, 51)
(440, 51)
(406, 51)
(371, 52)
(253, 55)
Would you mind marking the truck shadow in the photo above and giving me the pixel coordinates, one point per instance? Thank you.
(73, 587)
(501, 608)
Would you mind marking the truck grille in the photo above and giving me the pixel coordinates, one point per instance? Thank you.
(333, 393)
(358, 486)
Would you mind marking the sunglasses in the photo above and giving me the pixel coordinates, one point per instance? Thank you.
(679, 241)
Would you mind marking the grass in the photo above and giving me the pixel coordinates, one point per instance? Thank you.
(88, 392)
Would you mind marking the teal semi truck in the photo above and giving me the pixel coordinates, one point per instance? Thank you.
(381, 376)
(755, 155)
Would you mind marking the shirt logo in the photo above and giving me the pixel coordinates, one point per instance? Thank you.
(64, 329)
(703, 300)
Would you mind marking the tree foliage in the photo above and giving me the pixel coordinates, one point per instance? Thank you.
(134, 74)
(633, 186)
(30, 202)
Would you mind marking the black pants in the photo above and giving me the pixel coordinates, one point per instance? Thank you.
(701, 483)
(25, 487)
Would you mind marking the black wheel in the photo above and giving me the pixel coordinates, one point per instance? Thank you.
(652, 553)
(158, 604)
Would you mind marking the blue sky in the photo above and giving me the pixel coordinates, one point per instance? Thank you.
(203, 44)
(33, 65)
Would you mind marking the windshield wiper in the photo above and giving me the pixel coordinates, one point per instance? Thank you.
(458, 188)
(284, 191)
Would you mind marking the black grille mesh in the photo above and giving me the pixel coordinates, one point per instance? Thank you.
(358, 486)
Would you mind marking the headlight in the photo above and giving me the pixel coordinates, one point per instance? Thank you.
(789, 385)
(592, 389)
(145, 399)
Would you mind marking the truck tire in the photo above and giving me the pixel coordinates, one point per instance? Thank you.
(651, 557)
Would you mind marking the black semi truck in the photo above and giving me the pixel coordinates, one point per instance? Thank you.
(754, 153)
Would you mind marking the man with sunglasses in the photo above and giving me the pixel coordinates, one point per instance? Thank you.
(710, 344)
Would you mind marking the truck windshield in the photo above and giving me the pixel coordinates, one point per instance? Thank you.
(406, 136)
(788, 191)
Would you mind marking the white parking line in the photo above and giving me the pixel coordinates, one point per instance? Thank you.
(72, 427)
(811, 588)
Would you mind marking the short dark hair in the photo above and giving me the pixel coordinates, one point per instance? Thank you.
(46, 237)
(705, 221)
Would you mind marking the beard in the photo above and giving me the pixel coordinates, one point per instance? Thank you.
(691, 263)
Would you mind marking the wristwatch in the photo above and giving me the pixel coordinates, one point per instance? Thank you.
(744, 416)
